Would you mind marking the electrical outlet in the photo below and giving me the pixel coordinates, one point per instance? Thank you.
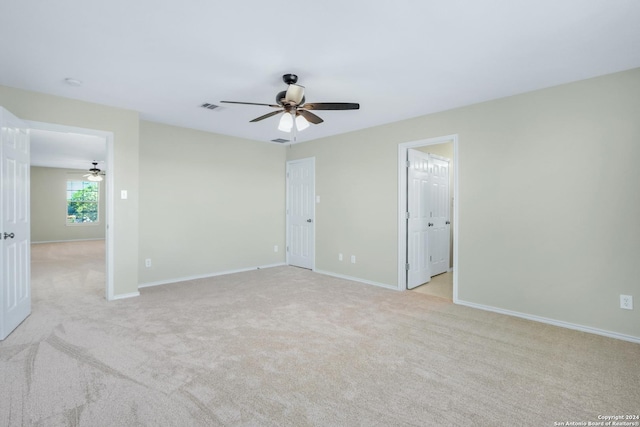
(353, 259)
(275, 248)
(147, 262)
(626, 302)
(339, 257)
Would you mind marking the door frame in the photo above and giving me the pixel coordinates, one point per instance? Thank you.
(109, 193)
(402, 206)
(286, 209)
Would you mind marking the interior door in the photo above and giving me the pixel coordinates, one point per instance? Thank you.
(439, 232)
(301, 213)
(418, 219)
(15, 250)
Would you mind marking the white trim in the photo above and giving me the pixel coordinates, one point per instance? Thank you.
(286, 209)
(356, 279)
(286, 213)
(109, 187)
(205, 276)
(109, 217)
(553, 322)
(402, 203)
(125, 296)
(67, 241)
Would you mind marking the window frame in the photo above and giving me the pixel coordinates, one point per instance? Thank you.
(84, 181)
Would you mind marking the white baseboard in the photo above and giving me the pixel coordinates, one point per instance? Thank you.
(125, 296)
(554, 322)
(205, 276)
(356, 279)
(67, 241)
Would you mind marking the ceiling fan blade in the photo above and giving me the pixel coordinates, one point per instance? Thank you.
(273, 113)
(251, 103)
(331, 106)
(311, 118)
(294, 94)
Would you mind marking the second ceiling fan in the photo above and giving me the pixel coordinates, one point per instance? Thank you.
(292, 101)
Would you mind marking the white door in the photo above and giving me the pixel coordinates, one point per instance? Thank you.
(418, 219)
(439, 232)
(15, 251)
(301, 213)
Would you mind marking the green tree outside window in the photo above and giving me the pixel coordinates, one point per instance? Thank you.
(82, 201)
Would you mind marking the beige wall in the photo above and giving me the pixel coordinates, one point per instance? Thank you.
(49, 207)
(358, 204)
(124, 125)
(547, 196)
(548, 200)
(208, 203)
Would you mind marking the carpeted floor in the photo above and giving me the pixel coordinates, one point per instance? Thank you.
(289, 347)
(439, 286)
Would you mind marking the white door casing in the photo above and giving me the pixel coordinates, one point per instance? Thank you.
(402, 206)
(301, 213)
(108, 191)
(15, 250)
(418, 218)
(439, 232)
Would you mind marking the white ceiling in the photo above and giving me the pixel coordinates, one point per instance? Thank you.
(398, 59)
(67, 150)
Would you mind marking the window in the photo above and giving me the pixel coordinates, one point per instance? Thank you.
(82, 202)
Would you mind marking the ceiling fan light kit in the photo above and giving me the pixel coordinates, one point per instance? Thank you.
(95, 174)
(301, 123)
(286, 123)
(293, 104)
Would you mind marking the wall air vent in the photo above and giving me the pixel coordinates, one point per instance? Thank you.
(209, 106)
(280, 140)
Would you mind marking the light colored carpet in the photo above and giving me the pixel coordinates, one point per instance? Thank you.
(289, 347)
(439, 286)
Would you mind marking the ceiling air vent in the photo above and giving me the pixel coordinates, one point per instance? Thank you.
(209, 106)
(280, 140)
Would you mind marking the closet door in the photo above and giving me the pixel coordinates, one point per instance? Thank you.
(418, 220)
(439, 214)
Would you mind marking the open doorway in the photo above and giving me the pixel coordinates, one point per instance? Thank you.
(61, 158)
(443, 281)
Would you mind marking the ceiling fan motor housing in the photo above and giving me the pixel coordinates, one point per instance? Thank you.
(282, 95)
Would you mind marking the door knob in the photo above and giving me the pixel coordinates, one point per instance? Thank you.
(448, 222)
(309, 220)
(430, 224)
(9, 235)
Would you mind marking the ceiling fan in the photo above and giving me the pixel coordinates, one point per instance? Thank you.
(94, 174)
(292, 102)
